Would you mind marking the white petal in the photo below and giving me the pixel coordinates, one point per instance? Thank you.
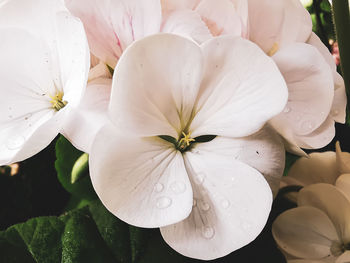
(84, 122)
(242, 89)
(155, 85)
(343, 183)
(343, 160)
(278, 23)
(231, 207)
(344, 258)
(318, 168)
(304, 232)
(26, 86)
(186, 23)
(113, 25)
(142, 181)
(324, 197)
(306, 74)
(220, 16)
(263, 151)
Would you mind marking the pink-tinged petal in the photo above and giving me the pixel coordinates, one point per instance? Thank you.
(143, 181)
(28, 123)
(263, 151)
(305, 232)
(343, 183)
(173, 5)
(155, 85)
(111, 26)
(274, 24)
(186, 23)
(231, 206)
(99, 71)
(306, 74)
(317, 168)
(324, 197)
(220, 17)
(320, 137)
(83, 122)
(344, 258)
(343, 160)
(242, 88)
(338, 112)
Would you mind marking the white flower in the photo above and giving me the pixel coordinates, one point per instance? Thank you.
(206, 197)
(318, 230)
(43, 71)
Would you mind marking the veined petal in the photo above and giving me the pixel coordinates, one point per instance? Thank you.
(305, 232)
(343, 183)
(306, 74)
(220, 17)
(113, 25)
(155, 85)
(324, 197)
(172, 5)
(263, 151)
(317, 168)
(186, 23)
(315, 41)
(25, 108)
(231, 206)
(274, 24)
(142, 181)
(83, 122)
(242, 88)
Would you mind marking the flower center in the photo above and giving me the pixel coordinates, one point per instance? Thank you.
(57, 101)
(184, 141)
(338, 248)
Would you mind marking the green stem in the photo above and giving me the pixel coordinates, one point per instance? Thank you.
(341, 18)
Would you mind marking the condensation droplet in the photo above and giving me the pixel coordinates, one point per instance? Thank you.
(204, 206)
(178, 187)
(15, 143)
(246, 226)
(286, 110)
(208, 232)
(194, 202)
(225, 203)
(335, 112)
(199, 178)
(163, 202)
(158, 187)
(306, 126)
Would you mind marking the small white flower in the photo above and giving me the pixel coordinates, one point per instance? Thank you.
(206, 197)
(43, 71)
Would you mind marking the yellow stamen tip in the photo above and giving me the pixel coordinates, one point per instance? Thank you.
(273, 50)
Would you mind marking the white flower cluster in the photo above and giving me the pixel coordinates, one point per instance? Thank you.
(185, 107)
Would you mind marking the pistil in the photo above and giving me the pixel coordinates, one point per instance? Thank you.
(57, 101)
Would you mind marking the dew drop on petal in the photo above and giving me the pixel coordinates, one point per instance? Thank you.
(307, 126)
(15, 143)
(286, 110)
(225, 203)
(163, 202)
(194, 202)
(246, 226)
(208, 232)
(335, 112)
(204, 206)
(199, 178)
(178, 187)
(158, 187)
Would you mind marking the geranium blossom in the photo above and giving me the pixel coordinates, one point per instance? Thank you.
(318, 229)
(43, 71)
(167, 94)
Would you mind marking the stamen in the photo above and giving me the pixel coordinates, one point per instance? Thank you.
(57, 102)
(185, 141)
(273, 50)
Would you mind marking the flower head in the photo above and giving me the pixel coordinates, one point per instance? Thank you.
(184, 142)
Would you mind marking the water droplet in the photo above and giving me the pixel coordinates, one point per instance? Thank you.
(194, 202)
(225, 203)
(158, 187)
(199, 178)
(163, 202)
(286, 110)
(307, 126)
(335, 112)
(204, 206)
(178, 187)
(246, 226)
(15, 143)
(208, 232)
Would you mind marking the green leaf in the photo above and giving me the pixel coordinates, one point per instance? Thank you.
(290, 160)
(80, 168)
(67, 155)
